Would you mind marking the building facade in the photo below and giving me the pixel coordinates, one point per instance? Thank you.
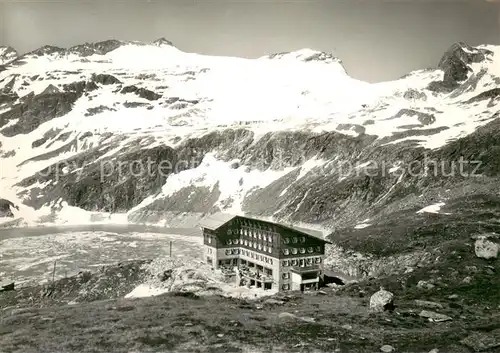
(264, 254)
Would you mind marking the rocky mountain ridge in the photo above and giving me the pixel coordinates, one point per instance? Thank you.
(288, 136)
(7, 55)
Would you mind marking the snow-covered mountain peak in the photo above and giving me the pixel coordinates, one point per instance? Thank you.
(90, 49)
(459, 62)
(98, 48)
(7, 54)
(305, 55)
(82, 50)
(46, 50)
(162, 42)
(308, 56)
(133, 97)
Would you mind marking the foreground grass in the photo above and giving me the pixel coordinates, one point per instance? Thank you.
(464, 287)
(180, 322)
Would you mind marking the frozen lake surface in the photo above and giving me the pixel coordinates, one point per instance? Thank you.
(28, 254)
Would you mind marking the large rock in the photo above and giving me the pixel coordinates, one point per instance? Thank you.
(434, 317)
(141, 92)
(105, 79)
(381, 301)
(425, 285)
(81, 87)
(485, 248)
(412, 94)
(287, 317)
(6, 208)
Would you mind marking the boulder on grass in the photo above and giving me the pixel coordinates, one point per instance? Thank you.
(486, 249)
(382, 301)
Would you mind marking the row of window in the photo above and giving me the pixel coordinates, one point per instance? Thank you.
(261, 235)
(250, 244)
(302, 262)
(249, 254)
(257, 257)
(232, 252)
(294, 240)
(257, 225)
(253, 233)
(295, 251)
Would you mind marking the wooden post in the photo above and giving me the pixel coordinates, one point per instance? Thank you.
(170, 248)
(54, 272)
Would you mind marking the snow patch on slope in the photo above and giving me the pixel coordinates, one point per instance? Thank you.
(435, 208)
(233, 183)
(145, 290)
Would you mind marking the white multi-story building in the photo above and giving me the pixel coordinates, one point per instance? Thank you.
(267, 255)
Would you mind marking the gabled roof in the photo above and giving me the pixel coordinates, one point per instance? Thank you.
(306, 231)
(218, 219)
(311, 232)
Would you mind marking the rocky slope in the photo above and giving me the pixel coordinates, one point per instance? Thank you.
(159, 135)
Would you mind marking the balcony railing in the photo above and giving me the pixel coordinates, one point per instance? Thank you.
(307, 269)
(258, 276)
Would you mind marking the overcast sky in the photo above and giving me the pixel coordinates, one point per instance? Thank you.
(377, 40)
